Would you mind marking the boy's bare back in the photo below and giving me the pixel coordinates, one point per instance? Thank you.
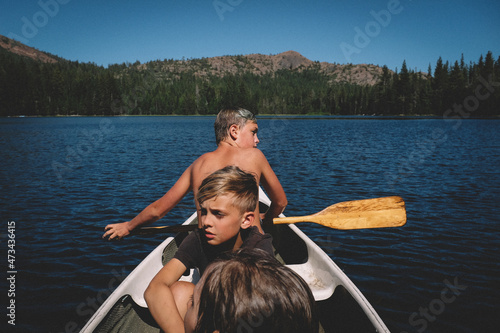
(250, 160)
(236, 145)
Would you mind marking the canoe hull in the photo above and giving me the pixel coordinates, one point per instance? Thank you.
(342, 307)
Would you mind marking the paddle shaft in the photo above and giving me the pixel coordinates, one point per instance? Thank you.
(172, 229)
(359, 214)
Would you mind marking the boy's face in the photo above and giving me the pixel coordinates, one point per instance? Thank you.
(193, 307)
(191, 317)
(221, 220)
(247, 137)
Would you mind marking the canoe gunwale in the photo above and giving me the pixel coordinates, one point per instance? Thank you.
(136, 282)
(315, 266)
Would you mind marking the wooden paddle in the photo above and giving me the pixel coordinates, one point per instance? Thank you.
(358, 214)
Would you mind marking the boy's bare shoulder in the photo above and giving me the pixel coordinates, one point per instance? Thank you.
(252, 151)
(250, 157)
(204, 158)
(207, 155)
(258, 154)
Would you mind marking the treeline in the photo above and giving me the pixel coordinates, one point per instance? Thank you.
(450, 90)
(28, 87)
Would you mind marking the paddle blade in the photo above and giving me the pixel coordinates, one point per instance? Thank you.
(359, 214)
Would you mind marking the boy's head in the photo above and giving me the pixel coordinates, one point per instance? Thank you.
(233, 182)
(227, 199)
(232, 123)
(251, 291)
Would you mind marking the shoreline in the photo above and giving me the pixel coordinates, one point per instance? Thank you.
(264, 116)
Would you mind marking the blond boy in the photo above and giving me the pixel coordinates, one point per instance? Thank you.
(227, 200)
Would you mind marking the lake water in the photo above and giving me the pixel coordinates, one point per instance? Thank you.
(63, 179)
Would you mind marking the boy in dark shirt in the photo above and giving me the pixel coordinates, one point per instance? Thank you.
(227, 200)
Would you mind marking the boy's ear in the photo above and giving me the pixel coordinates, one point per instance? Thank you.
(248, 219)
(234, 131)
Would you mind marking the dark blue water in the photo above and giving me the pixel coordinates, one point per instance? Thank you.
(63, 179)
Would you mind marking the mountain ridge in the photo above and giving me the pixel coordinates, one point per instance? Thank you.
(256, 63)
(259, 64)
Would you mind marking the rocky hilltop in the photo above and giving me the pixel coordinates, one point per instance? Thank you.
(260, 64)
(257, 64)
(26, 51)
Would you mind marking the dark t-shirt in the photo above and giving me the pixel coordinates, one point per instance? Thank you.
(194, 252)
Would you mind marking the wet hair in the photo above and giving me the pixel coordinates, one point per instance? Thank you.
(232, 181)
(228, 117)
(250, 291)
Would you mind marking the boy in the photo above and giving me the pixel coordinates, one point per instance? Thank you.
(227, 200)
(249, 291)
(236, 136)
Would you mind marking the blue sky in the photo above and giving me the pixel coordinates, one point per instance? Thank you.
(375, 32)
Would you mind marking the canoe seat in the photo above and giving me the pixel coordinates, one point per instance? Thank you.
(306, 259)
(322, 287)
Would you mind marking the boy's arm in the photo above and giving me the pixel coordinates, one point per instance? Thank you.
(160, 299)
(275, 191)
(154, 211)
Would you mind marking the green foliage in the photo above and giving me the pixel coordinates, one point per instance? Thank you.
(31, 88)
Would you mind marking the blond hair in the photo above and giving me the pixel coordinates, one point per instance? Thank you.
(228, 117)
(231, 181)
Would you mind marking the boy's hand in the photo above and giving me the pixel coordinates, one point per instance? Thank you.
(116, 231)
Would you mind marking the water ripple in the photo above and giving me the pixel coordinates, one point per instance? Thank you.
(451, 193)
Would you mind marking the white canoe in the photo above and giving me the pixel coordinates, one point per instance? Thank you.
(342, 307)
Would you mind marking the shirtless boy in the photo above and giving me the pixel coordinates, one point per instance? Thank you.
(236, 137)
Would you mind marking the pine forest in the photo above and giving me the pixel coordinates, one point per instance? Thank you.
(448, 89)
